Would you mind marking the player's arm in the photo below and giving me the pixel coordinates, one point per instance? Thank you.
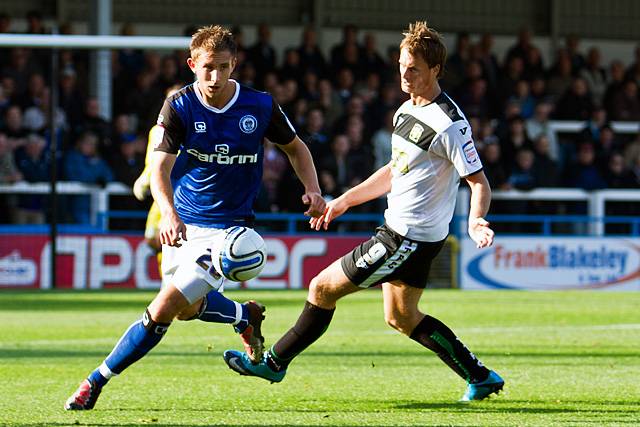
(376, 185)
(479, 207)
(302, 163)
(172, 229)
(170, 137)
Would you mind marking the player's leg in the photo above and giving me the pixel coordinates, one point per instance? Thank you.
(143, 335)
(402, 313)
(324, 291)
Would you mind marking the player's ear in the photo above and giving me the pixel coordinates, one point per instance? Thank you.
(192, 64)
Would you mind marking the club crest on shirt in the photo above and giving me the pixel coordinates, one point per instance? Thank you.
(416, 132)
(248, 123)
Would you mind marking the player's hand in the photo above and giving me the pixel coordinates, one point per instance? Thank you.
(334, 209)
(480, 232)
(316, 203)
(172, 230)
(141, 188)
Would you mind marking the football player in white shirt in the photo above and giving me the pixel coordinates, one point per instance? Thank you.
(432, 149)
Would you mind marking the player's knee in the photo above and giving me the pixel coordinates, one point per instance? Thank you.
(191, 312)
(399, 321)
(320, 291)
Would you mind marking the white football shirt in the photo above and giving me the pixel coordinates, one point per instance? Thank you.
(432, 148)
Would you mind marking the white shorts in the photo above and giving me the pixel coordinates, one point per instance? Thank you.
(189, 267)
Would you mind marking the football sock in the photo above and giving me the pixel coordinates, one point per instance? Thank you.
(311, 324)
(219, 309)
(137, 341)
(437, 337)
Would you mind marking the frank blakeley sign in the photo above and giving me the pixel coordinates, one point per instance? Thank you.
(552, 263)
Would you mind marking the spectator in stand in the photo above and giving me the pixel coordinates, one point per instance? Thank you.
(388, 99)
(457, 63)
(522, 96)
(369, 88)
(168, 73)
(330, 102)
(314, 134)
(22, 65)
(274, 166)
(606, 145)
(13, 128)
(615, 81)
(493, 166)
(632, 151)
(92, 121)
(539, 125)
(355, 107)
(238, 37)
(340, 164)
(538, 88)
(597, 121)
(131, 61)
(291, 66)
(9, 172)
(474, 100)
(633, 72)
(309, 88)
(33, 95)
(130, 160)
(625, 105)
(351, 60)
(345, 82)
(371, 59)
(635, 171)
(617, 175)
(546, 170)
(390, 74)
(262, 54)
(381, 142)
(71, 99)
(490, 67)
(533, 64)
(523, 175)
(584, 173)
(513, 72)
(33, 163)
(311, 57)
(522, 46)
(247, 74)
(144, 100)
(572, 43)
(84, 164)
(595, 76)
(349, 42)
(560, 75)
(36, 117)
(576, 102)
(515, 140)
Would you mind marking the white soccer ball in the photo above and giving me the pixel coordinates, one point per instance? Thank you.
(239, 254)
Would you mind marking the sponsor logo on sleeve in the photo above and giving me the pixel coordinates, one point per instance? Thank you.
(416, 132)
(470, 153)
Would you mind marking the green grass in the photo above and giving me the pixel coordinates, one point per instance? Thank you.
(569, 359)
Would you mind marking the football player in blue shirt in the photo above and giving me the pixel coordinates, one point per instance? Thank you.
(217, 126)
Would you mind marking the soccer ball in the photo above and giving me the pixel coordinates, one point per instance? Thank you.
(239, 254)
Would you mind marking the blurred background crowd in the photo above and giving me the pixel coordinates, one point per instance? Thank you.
(342, 106)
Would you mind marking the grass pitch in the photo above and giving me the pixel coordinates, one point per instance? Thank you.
(568, 358)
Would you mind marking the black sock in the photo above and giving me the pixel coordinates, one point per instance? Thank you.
(311, 324)
(437, 337)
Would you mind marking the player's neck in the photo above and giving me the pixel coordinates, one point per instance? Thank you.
(426, 97)
(221, 99)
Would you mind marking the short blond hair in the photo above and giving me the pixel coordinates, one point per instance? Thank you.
(421, 40)
(212, 38)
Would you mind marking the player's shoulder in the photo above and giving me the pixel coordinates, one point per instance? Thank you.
(445, 117)
(262, 97)
(181, 93)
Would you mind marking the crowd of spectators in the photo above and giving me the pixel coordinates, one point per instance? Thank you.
(342, 106)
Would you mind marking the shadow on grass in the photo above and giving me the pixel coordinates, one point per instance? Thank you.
(9, 353)
(527, 407)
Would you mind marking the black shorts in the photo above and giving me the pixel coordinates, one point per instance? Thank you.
(388, 256)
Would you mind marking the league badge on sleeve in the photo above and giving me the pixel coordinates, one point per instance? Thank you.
(470, 153)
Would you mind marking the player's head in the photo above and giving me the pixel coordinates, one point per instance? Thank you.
(422, 57)
(213, 57)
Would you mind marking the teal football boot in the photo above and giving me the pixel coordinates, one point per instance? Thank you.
(241, 363)
(478, 391)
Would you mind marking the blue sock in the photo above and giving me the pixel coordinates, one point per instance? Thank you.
(137, 341)
(219, 309)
